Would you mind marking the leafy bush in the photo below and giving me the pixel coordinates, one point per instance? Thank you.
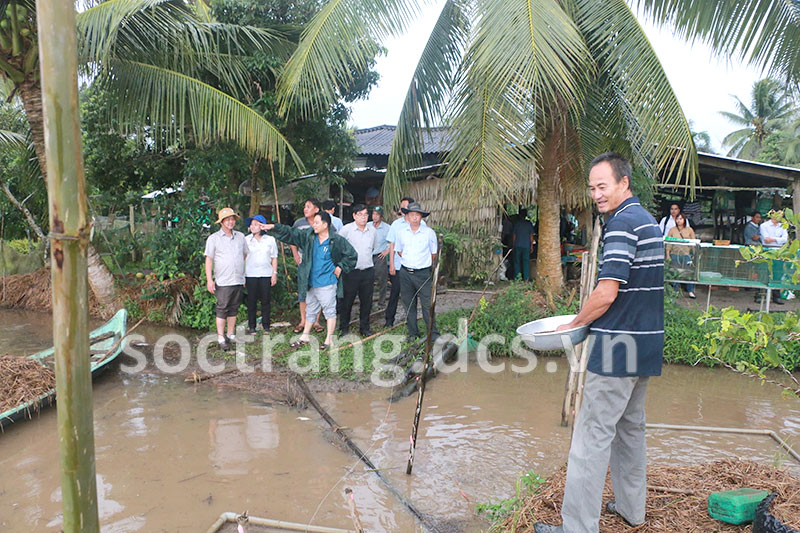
(474, 252)
(23, 246)
(526, 485)
(511, 307)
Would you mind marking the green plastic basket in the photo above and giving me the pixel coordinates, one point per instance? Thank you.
(735, 506)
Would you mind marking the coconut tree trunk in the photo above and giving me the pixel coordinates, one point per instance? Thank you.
(100, 278)
(69, 228)
(255, 189)
(548, 262)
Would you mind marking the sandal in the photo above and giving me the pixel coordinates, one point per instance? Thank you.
(324, 347)
(298, 344)
(317, 328)
(299, 328)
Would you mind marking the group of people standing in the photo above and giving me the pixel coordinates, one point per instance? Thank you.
(336, 263)
(756, 233)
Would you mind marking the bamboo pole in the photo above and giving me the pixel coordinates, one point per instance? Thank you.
(574, 385)
(582, 355)
(278, 216)
(428, 347)
(69, 228)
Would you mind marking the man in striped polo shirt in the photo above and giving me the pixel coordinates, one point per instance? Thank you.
(626, 347)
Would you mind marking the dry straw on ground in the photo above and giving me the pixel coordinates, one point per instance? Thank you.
(22, 380)
(670, 512)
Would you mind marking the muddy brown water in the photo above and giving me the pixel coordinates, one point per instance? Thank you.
(171, 457)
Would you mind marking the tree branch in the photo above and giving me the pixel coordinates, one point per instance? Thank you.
(27, 214)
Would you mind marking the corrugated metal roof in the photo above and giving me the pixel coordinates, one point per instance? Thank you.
(378, 140)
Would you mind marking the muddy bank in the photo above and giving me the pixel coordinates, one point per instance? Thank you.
(32, 292)
(676, 498)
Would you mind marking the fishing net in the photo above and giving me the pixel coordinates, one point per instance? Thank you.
(671, 511)
(23, 380)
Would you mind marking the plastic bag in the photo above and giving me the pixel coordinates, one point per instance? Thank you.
(766, 523)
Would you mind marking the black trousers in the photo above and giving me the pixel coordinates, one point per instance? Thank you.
(394, 297)
(258, 291)
(417, 286)
(357, 282)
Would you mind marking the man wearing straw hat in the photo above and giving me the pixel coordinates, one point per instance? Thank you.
(626, 347)
(417, 246)
(225, 253)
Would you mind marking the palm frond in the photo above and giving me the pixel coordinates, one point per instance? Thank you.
(11, 140)
(765, 33)
(534, 48)
(339, 42)
(159, 33)
(737, 140)
(657, 128)
(203, 10)
(491, 148)
(737, 119)
(170, 100)
(429, 91)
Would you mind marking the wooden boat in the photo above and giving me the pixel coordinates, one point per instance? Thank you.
(105, 345)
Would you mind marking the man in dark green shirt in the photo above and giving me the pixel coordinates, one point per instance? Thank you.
(325, 256)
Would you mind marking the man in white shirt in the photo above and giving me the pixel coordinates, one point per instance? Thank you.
(260, 272)
(774, 235)
(417, 246)
(395, 261)
(359, 281)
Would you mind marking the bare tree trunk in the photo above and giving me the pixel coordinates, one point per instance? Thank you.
(25, 212)
(548, 262)
(101, 279)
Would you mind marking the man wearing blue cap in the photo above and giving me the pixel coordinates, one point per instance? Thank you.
(260, 271)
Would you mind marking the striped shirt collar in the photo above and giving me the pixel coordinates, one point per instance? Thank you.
(633, 200)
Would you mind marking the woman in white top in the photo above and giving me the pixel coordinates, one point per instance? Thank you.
(260, 272)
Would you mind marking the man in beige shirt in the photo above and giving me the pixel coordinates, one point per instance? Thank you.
(225, 252)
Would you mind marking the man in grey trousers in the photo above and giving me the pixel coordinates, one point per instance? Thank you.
(626, 348)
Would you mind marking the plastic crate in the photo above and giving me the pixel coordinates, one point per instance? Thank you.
(735, 506)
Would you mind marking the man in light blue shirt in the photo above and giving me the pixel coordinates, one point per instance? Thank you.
(380, 252)
(417, 246)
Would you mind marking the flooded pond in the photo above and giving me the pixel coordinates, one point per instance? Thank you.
(173, 456)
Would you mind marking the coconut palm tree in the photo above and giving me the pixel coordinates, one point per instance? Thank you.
(531, 90)
(170, 67)
(770, 109)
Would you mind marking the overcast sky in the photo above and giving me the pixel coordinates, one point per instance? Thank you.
(703, 84)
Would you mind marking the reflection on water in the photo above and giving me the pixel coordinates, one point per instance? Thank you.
(172, 456)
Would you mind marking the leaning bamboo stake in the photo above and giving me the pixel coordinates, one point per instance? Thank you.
(69, 237)
(428, 347)
(278, 216)
(348, 492)
(574, 384)
(582, 355)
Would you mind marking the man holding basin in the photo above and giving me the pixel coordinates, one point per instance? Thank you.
(626, 347)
